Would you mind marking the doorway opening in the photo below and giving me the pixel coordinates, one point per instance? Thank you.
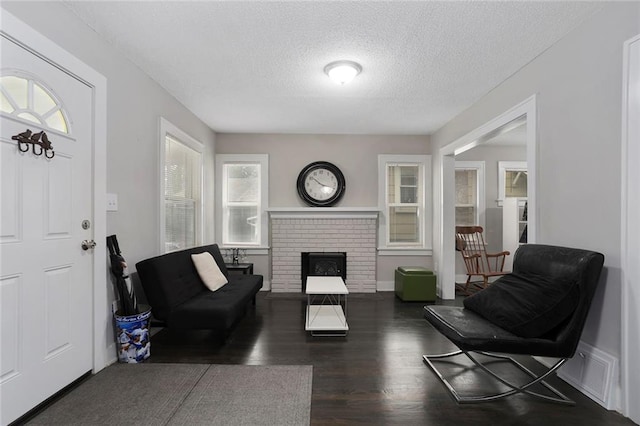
(491, 192)
(517, 123)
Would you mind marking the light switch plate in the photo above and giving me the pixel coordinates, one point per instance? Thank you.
(112, 202)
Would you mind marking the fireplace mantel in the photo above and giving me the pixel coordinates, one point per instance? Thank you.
(323, 212)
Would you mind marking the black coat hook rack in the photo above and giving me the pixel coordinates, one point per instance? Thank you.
(39, 139)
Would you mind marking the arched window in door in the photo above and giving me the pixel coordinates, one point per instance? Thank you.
(30, 100)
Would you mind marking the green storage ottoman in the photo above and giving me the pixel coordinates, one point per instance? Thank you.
(415, 284)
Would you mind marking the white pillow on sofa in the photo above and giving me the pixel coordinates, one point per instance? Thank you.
(209, 271)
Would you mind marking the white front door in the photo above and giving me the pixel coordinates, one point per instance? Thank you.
(46, 283)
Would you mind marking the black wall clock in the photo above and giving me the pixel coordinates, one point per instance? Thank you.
(321, 184)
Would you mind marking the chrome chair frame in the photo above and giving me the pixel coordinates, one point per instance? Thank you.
(560, 397)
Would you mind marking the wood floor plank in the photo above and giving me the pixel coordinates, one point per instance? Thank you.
(375, 375)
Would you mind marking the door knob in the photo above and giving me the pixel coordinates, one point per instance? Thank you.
(88, 244)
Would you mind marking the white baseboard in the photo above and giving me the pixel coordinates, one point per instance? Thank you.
(112, 358)
(594, 373)
(385, 286)
(266, 285)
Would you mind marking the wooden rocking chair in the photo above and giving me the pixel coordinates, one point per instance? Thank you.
(479, 263)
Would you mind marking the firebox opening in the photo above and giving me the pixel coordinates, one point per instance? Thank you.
(332, 264)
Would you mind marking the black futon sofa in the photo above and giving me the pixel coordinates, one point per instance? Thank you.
(179, 298)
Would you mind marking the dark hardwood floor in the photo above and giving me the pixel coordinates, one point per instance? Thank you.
(374, 376)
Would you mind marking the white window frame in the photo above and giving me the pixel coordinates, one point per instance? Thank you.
(478, 166)
(221, 215)
(424, 247)
(503, 167)
(169, 129)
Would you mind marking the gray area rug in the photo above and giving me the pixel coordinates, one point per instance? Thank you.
(187, 394)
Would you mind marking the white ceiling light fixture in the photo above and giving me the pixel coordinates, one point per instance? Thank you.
(342, 72)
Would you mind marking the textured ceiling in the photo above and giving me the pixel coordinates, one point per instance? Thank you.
(258, 66)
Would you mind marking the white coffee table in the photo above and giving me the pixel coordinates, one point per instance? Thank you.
(325, 314)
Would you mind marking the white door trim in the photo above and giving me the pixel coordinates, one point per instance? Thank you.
(630, 229)
(20, 32)
(443, 249)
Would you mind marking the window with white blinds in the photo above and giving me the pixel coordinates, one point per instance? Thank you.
(182, 182)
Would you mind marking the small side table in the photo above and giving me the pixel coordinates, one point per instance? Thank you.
(327, 316)
(245, 268)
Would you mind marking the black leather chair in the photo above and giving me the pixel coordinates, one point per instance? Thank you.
(539, 309)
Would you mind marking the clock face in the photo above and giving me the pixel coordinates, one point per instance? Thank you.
(321, 184)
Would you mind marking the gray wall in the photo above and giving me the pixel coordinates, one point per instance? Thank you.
(355, 155)
(135, 104)
(578, 87)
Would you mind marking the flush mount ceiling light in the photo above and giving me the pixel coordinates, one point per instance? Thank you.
(342, 72)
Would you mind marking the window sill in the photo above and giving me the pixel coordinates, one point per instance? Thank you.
(521, 201)
(404, 251)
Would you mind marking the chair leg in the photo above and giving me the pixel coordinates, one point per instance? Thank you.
(466, 285)
(514, 389)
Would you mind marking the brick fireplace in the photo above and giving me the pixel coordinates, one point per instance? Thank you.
(297, 230)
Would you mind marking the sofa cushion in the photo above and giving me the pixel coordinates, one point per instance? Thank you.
(209, 271)
(526, 305)
(219, 309)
